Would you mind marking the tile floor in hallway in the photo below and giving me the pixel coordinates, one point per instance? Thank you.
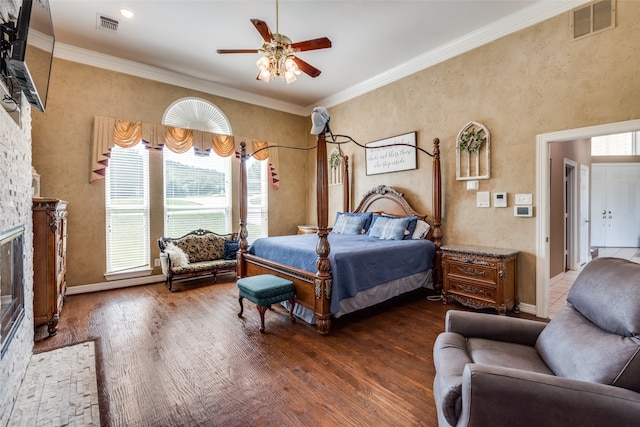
(558, 290)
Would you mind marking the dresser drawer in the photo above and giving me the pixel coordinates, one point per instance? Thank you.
(476, 270)
(475, 290)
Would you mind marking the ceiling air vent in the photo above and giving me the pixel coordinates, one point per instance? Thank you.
(593, 18)
(106, 23)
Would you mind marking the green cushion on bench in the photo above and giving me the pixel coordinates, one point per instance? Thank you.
(266, 289)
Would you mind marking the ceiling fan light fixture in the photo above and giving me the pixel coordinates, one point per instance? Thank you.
(275, 64)
(279, 59)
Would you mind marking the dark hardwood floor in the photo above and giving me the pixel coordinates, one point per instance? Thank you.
(186, 359)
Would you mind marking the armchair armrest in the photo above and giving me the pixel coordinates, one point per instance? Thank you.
(498, 396)
(492, 327)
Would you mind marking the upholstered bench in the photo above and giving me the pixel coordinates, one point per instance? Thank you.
(264, 290)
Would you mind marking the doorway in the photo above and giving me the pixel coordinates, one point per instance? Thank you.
(543, 198)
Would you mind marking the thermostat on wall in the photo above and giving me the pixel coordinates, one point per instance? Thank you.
(522, 211)
(500, 200)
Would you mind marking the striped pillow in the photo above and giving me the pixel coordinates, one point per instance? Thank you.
(347, 224)
(388, 228)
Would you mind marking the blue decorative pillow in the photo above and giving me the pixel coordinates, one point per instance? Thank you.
(367, 215)
(389, 228)
(413, 222)
(230, 249)
(349, 224)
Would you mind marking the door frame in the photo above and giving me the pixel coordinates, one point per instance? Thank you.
(543, 198)
(570, 215)
(584, 216)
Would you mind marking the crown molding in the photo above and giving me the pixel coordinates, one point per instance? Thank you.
(527, 17)
(108, 62)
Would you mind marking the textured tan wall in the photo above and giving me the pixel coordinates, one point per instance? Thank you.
(531, 82)
(62, 147)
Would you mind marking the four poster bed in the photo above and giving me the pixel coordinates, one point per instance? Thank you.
(331, 278)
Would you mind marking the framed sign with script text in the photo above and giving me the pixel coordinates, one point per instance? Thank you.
(393, 154)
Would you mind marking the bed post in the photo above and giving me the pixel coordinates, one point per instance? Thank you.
(243, 245)
(323, 282)
(437, 214)
(346, 201)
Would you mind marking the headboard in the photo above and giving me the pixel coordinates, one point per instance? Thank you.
(385, 199)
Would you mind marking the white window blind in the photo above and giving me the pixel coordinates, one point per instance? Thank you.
(197, 193)
(127, 209)
(257, 199)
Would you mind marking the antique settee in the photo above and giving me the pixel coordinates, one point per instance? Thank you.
(198, 253)
(580, 369)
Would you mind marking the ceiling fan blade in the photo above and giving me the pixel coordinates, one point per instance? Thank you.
(321, 43)
(306, 67)
(263, 29)
(237, 50)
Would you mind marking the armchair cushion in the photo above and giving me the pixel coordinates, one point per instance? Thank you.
(603, 343)
(609, 282)
(596, 355)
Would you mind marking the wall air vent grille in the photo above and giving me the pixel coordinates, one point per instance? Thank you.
(107, 23)
(593, 18)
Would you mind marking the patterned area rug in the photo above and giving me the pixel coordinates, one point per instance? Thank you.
(59, 389)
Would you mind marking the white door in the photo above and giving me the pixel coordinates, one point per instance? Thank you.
(583, 225)
(615, 205)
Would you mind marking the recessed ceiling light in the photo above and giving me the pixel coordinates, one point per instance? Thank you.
(126, 13)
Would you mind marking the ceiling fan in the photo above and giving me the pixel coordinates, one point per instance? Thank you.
(279, 59)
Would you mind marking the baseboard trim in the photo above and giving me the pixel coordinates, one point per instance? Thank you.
(114, 284)
(556, 279)
(528, 308)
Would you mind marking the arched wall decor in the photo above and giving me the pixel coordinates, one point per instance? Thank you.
(473, 152)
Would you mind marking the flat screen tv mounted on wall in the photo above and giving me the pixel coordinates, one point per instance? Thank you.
(30, 63)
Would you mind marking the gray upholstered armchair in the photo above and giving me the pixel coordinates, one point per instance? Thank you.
(580, 369)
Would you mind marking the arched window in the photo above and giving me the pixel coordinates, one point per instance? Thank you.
(197, 188)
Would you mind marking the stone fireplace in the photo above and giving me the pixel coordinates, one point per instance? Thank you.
(16, 234)
(11, 284)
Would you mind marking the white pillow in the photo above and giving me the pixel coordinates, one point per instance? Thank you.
(421, 231)
(177, 255)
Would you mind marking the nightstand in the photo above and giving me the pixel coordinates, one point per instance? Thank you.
(307, 229)
(481, 277)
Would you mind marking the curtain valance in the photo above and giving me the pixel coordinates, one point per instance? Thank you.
(109, 132)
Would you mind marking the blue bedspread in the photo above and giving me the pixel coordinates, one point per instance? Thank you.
(358, 262)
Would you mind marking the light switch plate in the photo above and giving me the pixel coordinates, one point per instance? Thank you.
(472, 185)
(523, 199)
(483, 199)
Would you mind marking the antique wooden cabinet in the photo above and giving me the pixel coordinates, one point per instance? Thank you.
(481, 277)
(49, 260)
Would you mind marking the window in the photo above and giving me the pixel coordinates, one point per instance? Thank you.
(198, 188)
(257, 199)
(127, 209)
(621, 144)
(197, 193)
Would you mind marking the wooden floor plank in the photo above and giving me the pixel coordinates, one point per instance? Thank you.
(185, 358)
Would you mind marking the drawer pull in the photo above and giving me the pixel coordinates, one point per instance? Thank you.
(471, 271)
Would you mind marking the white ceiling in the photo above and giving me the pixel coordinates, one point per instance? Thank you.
(374, 42)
